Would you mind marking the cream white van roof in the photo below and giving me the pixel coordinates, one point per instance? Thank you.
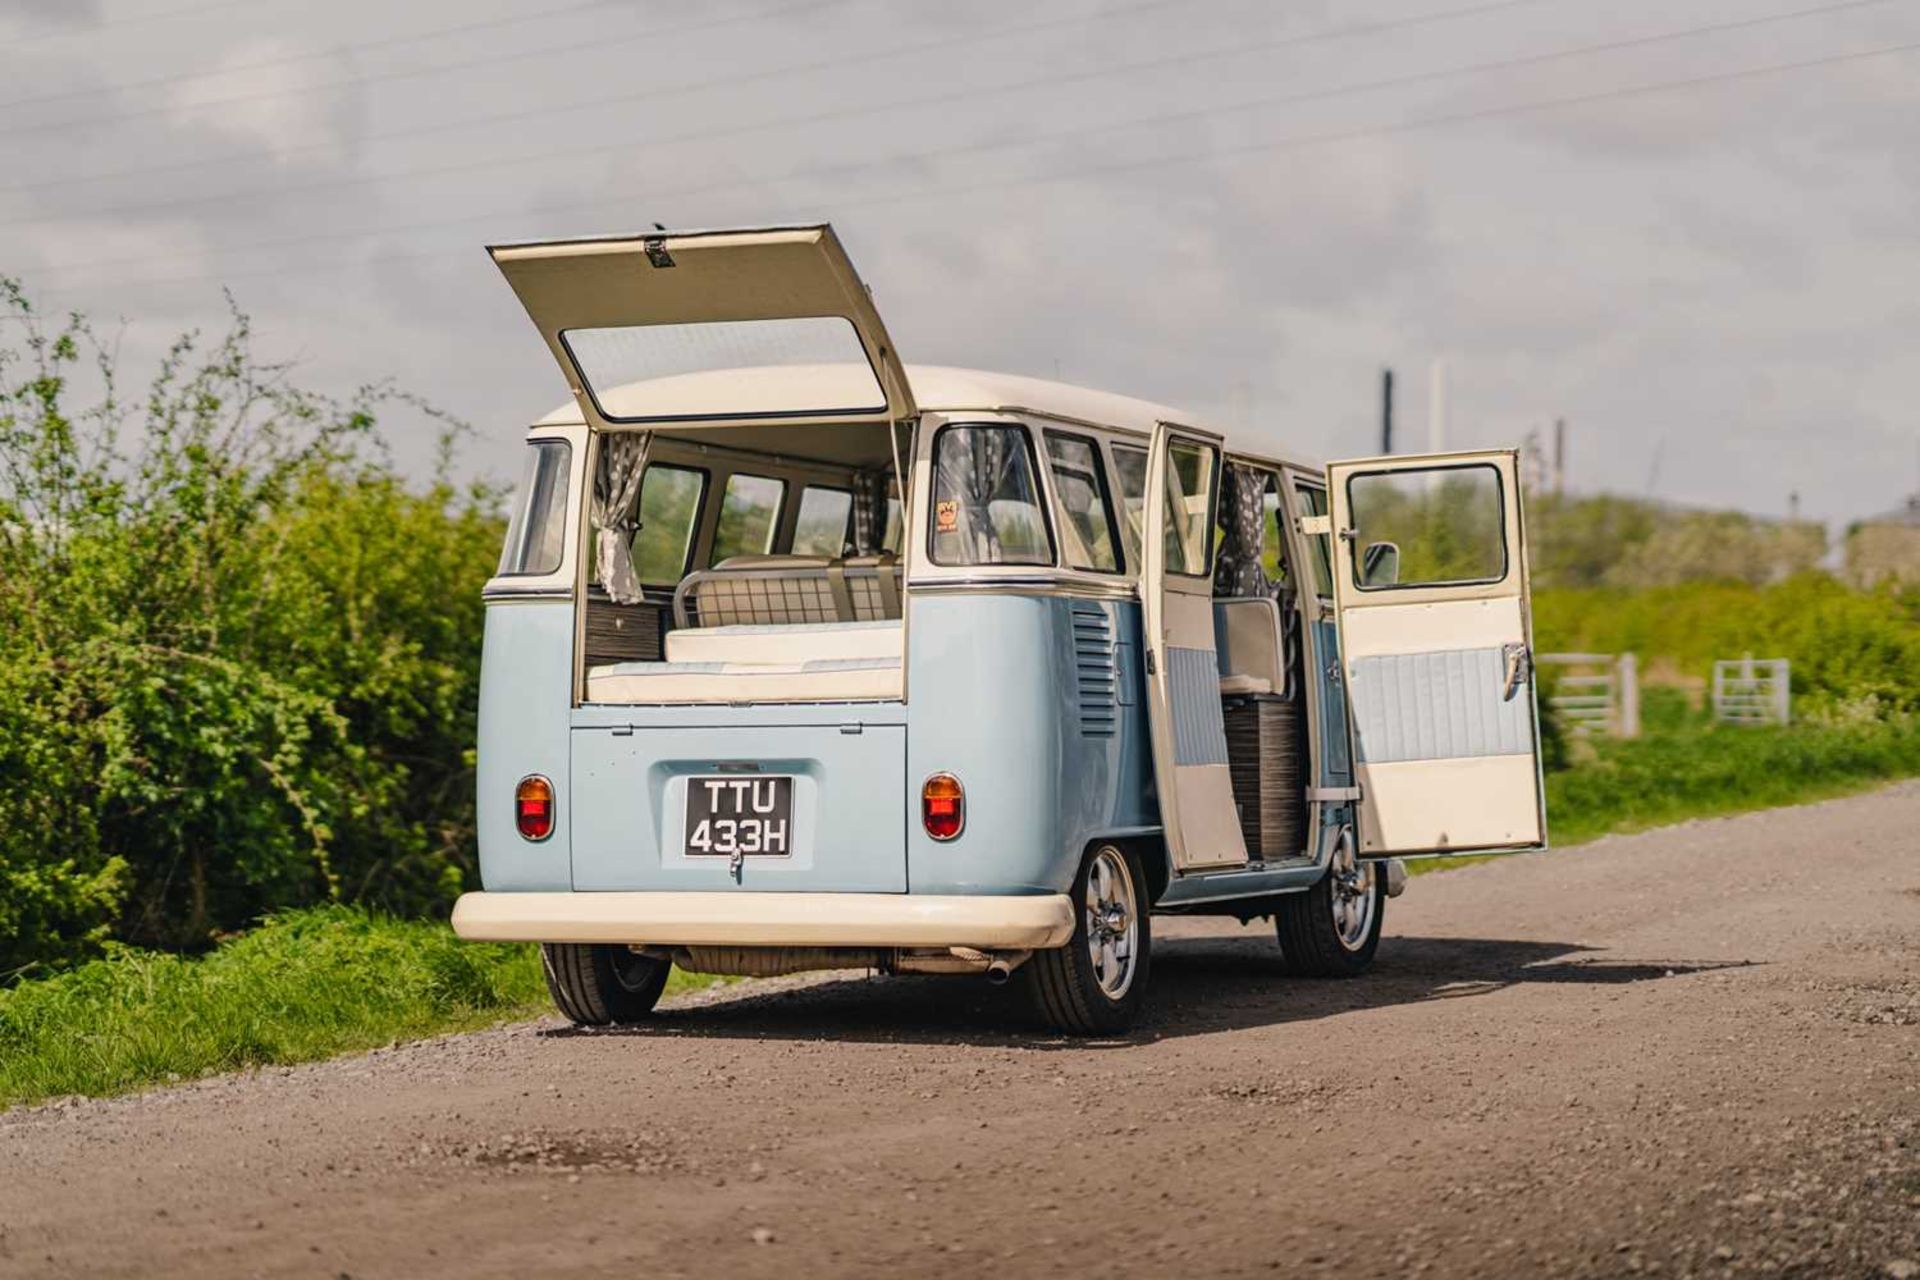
(935, 387)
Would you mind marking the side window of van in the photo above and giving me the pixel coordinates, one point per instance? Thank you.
(825, 522)
(1086, 508)
(670, 499)
(1130, 471)
(1190, 479)
(1427, 528)
(986, 498)
(749, 516)
(537, 535)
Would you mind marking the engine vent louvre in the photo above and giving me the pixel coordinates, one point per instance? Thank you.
(1095, 677)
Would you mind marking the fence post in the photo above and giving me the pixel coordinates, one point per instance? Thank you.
(1627, 677)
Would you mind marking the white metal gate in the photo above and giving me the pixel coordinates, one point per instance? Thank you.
(1752, 690)
(1597, 693)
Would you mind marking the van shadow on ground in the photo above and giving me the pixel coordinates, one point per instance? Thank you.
(1201, 985)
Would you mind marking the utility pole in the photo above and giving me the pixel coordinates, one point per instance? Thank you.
(1559, 456)
(1386, 411)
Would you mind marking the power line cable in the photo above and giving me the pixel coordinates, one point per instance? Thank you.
(1299, 142)
(970, 93)
(317, 55)
(544, 112)
(419, 73)
(91, 28)
(942, 153)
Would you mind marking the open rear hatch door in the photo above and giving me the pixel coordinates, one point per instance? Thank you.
(747, 328)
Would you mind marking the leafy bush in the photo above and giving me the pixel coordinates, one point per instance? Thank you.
(1847, 647)
(238, 655)
(1629, 543)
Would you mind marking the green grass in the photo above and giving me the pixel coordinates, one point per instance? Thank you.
(1696, 771)
(311, 984)
(302, 986)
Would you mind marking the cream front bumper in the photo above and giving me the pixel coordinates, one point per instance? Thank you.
(1027, 922)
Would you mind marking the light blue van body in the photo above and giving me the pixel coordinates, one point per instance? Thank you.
(1037, 701)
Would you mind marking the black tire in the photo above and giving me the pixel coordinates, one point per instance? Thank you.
(1065, 982)
(1314, 944)
(596, 985)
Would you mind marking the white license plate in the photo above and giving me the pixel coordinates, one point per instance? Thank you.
(739, 815)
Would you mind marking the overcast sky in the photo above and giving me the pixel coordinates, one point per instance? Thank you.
(1702, 256)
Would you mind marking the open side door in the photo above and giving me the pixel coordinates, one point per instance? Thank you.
(1436, 639)
(642, 327)
(1183, 663)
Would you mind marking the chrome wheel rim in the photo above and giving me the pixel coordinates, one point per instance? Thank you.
(1354, 899)
(1113, 922)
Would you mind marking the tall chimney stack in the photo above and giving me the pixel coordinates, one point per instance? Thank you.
(1386, 411)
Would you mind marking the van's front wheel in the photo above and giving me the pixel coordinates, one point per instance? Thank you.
(596, 985)
(1095, 984)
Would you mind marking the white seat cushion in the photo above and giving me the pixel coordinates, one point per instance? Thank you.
(828, 680)
(785, 645)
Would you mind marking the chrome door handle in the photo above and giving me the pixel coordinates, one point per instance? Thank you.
(1519, 664)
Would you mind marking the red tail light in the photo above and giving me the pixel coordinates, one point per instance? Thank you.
(943, 806)
(533, 807)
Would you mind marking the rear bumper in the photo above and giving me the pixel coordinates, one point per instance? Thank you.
(1027, 922)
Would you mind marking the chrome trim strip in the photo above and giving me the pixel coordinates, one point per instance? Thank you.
(1072, 588)
(497, 595)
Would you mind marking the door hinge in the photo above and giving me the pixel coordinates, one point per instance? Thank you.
(1150, 667)
(853, 728)
(1316, 524)
(657, 255)
(623, 731)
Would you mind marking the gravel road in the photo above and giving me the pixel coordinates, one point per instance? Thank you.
(1690, 1052)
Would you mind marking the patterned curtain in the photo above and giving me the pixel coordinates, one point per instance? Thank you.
(870, 492)
(616, 512)
(1238, 574)
(976, 472)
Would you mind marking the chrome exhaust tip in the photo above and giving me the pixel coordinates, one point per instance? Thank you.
(1001, 967)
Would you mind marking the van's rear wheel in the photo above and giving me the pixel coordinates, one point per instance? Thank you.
(1095, 984)
(1333, 929)
(596, 985)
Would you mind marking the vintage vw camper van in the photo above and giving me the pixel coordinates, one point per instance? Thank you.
(801, 657)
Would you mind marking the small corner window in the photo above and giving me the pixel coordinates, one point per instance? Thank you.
(986, 502)
(1086, 508)
(537, 533)
(1437, 526)
(749, 516)
(824, 526)
(1130, 472)
(670, 500)
(1190, 480)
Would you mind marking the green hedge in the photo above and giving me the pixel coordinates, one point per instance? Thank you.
(238, 654)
